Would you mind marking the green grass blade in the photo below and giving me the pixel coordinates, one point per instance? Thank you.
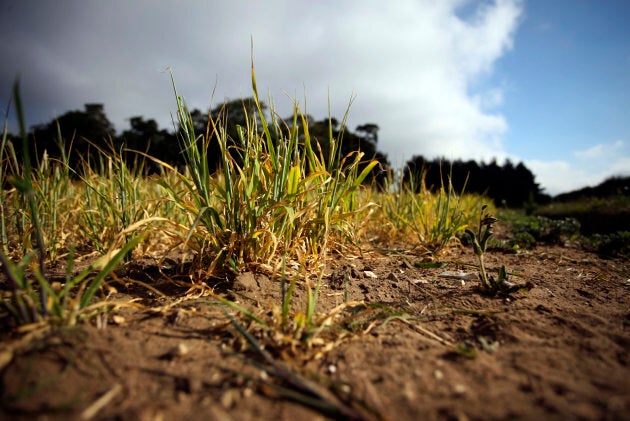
(107, 269)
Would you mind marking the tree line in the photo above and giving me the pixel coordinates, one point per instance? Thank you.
(508, 184)
(78, 134)
(615, 186)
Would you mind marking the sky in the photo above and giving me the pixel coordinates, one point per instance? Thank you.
(543, 82)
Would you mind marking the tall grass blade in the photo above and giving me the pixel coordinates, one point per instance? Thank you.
(24, 184)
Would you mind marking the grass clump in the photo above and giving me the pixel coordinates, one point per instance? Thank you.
(278, 194)
(32, 295)
(273, 194)
(60, 303)
(433, 218)
(526, 231)
(616, 244)
(596, 215)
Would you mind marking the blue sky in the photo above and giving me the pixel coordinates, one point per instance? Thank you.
(545, 82)
(567, 98)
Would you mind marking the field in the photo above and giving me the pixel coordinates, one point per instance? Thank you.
(285, 286)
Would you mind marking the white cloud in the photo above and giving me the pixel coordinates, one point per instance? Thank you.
(620, 166)
(415, 66)
(557, 177)
(600, 151)
(424, 63)
(591, 166)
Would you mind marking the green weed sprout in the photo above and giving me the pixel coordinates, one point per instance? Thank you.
(480, 243)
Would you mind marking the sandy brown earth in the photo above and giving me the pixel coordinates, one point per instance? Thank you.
(409, 344)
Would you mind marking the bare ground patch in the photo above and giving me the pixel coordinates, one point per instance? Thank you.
(414, 345)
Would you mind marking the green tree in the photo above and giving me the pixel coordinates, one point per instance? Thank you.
(79, 130)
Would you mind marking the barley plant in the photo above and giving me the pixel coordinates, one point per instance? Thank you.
(40, 201)
(281, 201)
(432, 219)
(274, 195)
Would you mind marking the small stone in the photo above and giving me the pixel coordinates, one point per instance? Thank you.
(118, 319)
(459, 389)
(228, 399)
(458, 275)
(181, 350)
(370, 274)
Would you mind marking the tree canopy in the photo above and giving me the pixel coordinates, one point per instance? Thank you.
(507, 184)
